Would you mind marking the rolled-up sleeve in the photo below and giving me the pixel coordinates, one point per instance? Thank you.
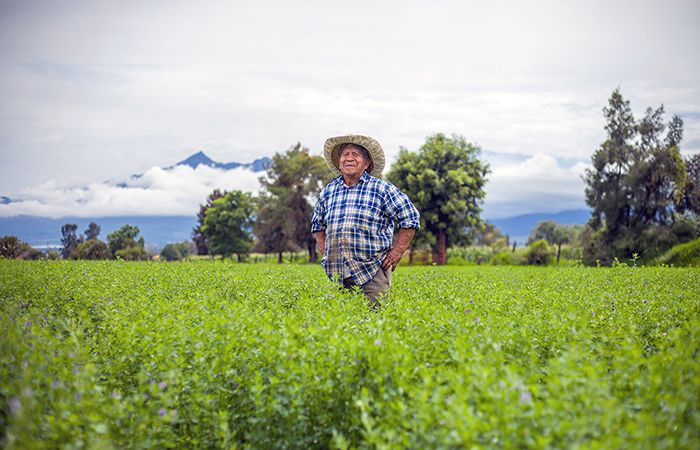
(400, 208)
(318, 221)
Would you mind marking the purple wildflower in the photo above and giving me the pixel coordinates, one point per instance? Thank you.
(467, 311)
(162, 412)
(525, 398)
(162, 385)
(476, 319)
(15, 406)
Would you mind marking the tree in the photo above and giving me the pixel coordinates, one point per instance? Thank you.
(555, 234)
(274, 230)
(123, 244)
(293, 178)
(445, 180)
(92, 231)
(198, 237)
(486, 235)
(70, 240)
(636, 185)
(689, 202)
(228, 224)
(92, 249)
(175, 252)
(30, 253)
(9, 247)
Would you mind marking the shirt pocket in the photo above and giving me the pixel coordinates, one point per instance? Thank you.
(369, 218)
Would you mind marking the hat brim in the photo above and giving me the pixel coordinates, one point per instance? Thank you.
(332, 145)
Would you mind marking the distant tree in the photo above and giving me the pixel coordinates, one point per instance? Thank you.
(538, 253)
(198, 237)
(555, 234)
(92, 231)
(689, 201)
(29, 253)
(70, 240)
(486, 235)
(175, 252)
(445, 180)
(133, 251)
(545, 229)
(123, 244)
(9, 247)
(293, 178)
(92, 249)
(228, 225)
(636, 185)
(272, 227)
(124, 237)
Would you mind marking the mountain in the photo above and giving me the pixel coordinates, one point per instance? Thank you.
(200, 158)
(160, 230)
(43, 231)
(519, 227)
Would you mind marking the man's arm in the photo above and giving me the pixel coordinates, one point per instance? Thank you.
(396, 252)
(321, 241)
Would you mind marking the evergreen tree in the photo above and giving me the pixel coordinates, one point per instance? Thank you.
(636, 185)
(284, 217)
(70, 240)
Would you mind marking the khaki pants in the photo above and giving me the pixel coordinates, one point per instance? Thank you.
(376, 287)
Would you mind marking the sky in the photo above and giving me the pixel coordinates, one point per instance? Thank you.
(93, 92)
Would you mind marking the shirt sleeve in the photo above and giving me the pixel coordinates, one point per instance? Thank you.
(400, 208)
(318, 221)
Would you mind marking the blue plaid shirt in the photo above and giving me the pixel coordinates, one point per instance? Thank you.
(359, 224)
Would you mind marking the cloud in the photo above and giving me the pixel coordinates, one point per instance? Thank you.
(537, 184)
(158, 192)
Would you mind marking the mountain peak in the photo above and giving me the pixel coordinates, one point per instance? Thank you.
(200, 158)
(197, 159)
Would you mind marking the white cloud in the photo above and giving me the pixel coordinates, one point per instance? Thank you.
(537, 184)
(158, 192)
(90, 88)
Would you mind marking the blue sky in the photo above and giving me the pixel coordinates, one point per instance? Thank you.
(95, 91)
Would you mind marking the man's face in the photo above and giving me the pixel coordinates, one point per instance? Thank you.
(353, 162)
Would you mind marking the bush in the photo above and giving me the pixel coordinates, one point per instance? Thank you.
(503, 258)
(469, 254)
(175, 252)
(135, 253)
(9, 247)
(683, 255)
(539, 254)
(93, 249)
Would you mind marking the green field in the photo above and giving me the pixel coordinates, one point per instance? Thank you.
(221, 355)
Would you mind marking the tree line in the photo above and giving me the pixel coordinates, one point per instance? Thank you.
(444, 178)
(124, 243)
(644, 194)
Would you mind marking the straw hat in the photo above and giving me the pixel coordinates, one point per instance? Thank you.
(332, 145)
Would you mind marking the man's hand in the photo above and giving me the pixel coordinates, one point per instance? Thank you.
(396, 252)
(321, 241)
(392, 259)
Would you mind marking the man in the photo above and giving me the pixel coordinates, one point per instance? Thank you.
(355, 214)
